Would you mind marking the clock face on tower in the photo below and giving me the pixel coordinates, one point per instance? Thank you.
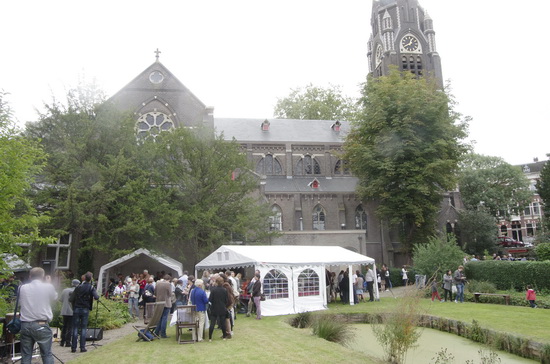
(409, 43)
(378, 55)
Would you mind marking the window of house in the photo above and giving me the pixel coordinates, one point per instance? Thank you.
(527, 210)
(341, 167)
(308, 283)
(319, 216)
(530, 230)
(60, 252)
(308, 165)
(503, 230)
(276, 219)
(269, 166)
(536, 208)
(449, 228)
(275, 285)
(516, 231)
(360, 218)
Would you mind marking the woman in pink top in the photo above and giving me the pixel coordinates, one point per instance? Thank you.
(531, 296)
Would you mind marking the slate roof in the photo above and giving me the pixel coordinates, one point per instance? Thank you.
(534, 167)
(281, 130)
(281, 184)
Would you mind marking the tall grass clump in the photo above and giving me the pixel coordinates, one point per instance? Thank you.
(301, 320)
(398, 331)
(329, 328)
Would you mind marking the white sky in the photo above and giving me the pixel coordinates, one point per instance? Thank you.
(240, 55)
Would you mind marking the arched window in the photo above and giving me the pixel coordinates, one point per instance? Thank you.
(360, 218)
(152, 124)
(319, 216)
(307, 165)
(269, 166)
(341, 167)
(308, 283)
(449, 228)
(275, 285)
(276, 219)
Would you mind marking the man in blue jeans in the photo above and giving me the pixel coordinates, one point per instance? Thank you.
(163, 292)
(82, 299)
(459, 280)
(36, 312)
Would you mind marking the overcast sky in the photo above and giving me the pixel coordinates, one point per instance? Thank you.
(240, 56)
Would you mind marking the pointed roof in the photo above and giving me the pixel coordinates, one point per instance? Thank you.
(170, 82)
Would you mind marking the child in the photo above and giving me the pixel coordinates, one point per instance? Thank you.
(435, 293)
(531, 296)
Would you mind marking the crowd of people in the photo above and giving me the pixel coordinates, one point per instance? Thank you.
(363, 283)
(216, 297)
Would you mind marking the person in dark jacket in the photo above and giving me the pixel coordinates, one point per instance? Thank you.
(257, 295)
(83, 297)
(218, 300)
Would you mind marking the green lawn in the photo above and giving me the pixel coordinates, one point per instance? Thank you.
(523, 321)
(272, 340)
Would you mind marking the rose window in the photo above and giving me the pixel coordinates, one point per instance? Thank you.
(152, 124)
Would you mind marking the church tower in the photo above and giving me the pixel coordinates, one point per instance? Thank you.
(402, 35)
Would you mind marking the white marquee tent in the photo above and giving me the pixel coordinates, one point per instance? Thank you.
(136, 262)
(293, 277)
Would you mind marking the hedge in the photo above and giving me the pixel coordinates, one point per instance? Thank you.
(511, 275)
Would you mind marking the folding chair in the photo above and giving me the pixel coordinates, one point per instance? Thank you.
(151, 324)
(148, 312)
(187, 319)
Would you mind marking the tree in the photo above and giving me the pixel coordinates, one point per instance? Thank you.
(437, 256)
(115, 193)
(405, 148)
(208, 192)
(20, 160)
(543, 189)
(478, 231)
(489, 183)
(316, 103)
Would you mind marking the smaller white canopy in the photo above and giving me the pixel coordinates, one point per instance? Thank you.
(129, 258)
(14, 263)
(234, 256)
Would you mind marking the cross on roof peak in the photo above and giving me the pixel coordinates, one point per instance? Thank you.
(157, 54)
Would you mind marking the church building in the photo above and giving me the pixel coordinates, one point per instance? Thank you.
(310, 190)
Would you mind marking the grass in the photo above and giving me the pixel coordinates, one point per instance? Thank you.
(273, 340)
(523, 321)
(270, 340)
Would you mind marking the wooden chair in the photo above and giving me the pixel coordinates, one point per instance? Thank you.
(187, 319)
(151, 324)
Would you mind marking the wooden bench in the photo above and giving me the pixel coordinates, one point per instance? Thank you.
(503, 295)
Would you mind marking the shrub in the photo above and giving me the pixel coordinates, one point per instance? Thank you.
(542, 250)
(437, 256)
(506, 274)
(398, 330)
(301, 320)
(113, 316)
(481, 286)
(329, 328)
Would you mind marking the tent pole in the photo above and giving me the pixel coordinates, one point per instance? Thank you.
(351, 291)
(376, 292)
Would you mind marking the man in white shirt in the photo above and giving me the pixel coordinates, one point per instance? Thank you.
(185, 278)
(35, 299)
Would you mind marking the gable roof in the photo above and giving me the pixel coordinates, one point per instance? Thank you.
(233, 256)
(141, 83)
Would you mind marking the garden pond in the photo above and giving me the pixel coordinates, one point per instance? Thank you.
(430, 343)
